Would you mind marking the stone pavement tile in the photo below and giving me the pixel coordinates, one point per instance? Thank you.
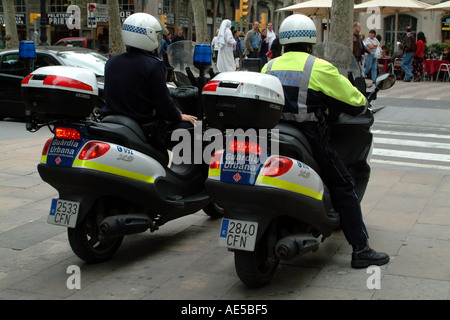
(285, 285)
(390, 220)
(398, 287)
(412, 190)
(422, 258)
(29, 234)
(39, 256)
(52, 281)
(37, 192)
(445, 184)
(440, 198)
(325, 293)
(380, 184)
(125, 278)
(432, 231)
(338, 274)
(14, 294)
(193, 285)
(11, 203)
(18, 181)
(9, 276)
(422, 178)
(19, 216)
(401, 203)
(432, 214)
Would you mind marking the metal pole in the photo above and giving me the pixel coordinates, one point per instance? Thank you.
(43, 21)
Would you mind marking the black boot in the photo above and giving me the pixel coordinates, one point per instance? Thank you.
(363, 256)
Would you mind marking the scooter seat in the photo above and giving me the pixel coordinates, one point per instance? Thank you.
(294, 144)
(128, 122)
(124, 130)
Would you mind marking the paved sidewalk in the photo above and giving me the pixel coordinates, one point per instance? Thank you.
(407, 215)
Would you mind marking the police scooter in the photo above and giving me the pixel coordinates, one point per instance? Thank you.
(276, 205)
(111, 181)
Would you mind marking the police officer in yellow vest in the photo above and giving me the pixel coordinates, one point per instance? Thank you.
(311, 86)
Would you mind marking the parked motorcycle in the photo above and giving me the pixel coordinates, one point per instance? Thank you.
(276, 205)
(111, 181)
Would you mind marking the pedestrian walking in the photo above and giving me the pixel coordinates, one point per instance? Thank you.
(418, 56)
(253, 42)
(372, 44)
(225, 59)
(409, 49)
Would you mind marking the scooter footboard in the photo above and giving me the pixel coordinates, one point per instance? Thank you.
(262, 204)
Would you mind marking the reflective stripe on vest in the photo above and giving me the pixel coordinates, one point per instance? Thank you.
(303, 86)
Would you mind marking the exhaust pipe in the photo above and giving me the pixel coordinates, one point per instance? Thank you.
(289, 247)
(121, 225)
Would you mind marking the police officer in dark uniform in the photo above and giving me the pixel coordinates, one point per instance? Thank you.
(135, 83)
(321, 86)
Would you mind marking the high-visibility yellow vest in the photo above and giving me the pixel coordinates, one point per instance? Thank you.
(311, 84)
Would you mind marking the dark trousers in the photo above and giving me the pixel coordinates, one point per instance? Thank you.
(339, 182)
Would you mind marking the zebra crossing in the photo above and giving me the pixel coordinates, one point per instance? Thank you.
(411, 147)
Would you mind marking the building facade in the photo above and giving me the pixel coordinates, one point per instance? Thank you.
(179, 13)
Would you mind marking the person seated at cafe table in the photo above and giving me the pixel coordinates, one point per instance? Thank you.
(446, 54)
(384, 53)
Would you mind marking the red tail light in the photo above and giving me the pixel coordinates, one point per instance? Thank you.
(53, 80)
(27, 78)
(46, 146)
(247, 147)
(277, 166)
(214, 163)
(93, 150)
(211, 85)
(67, 133)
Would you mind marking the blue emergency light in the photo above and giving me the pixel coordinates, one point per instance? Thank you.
(27, 50)
(202, 55)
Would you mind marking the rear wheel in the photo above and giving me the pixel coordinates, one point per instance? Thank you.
(85, 241)
(256, 269)
(214, 210)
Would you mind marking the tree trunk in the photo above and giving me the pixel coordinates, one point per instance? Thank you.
(115, 28)
(342, 22)
(201, 30)
(10, 24)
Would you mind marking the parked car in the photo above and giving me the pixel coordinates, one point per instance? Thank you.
(81, 42)
(12, 71)
(2, 43)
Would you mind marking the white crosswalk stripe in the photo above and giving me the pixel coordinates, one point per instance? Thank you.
(412, 149)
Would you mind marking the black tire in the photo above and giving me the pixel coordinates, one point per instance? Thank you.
(214, 210)
(86, 244)
(256, 269)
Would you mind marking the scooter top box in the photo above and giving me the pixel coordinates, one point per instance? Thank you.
(243, 99)
(60, 91)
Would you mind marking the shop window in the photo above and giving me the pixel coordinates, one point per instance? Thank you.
(403, 21)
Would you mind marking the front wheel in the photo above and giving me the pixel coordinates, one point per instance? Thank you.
(256, 269)
(86, 243)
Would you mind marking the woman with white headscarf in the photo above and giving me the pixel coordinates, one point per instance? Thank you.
(225, 60)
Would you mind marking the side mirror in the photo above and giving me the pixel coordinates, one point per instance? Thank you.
(385, 81)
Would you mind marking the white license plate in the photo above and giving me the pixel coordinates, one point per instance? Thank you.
(63, 213)
(238, 234)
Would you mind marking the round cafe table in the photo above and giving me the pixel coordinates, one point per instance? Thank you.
(432, 66)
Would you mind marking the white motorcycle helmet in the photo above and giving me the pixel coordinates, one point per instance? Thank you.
(143, 31)
(297, 28)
